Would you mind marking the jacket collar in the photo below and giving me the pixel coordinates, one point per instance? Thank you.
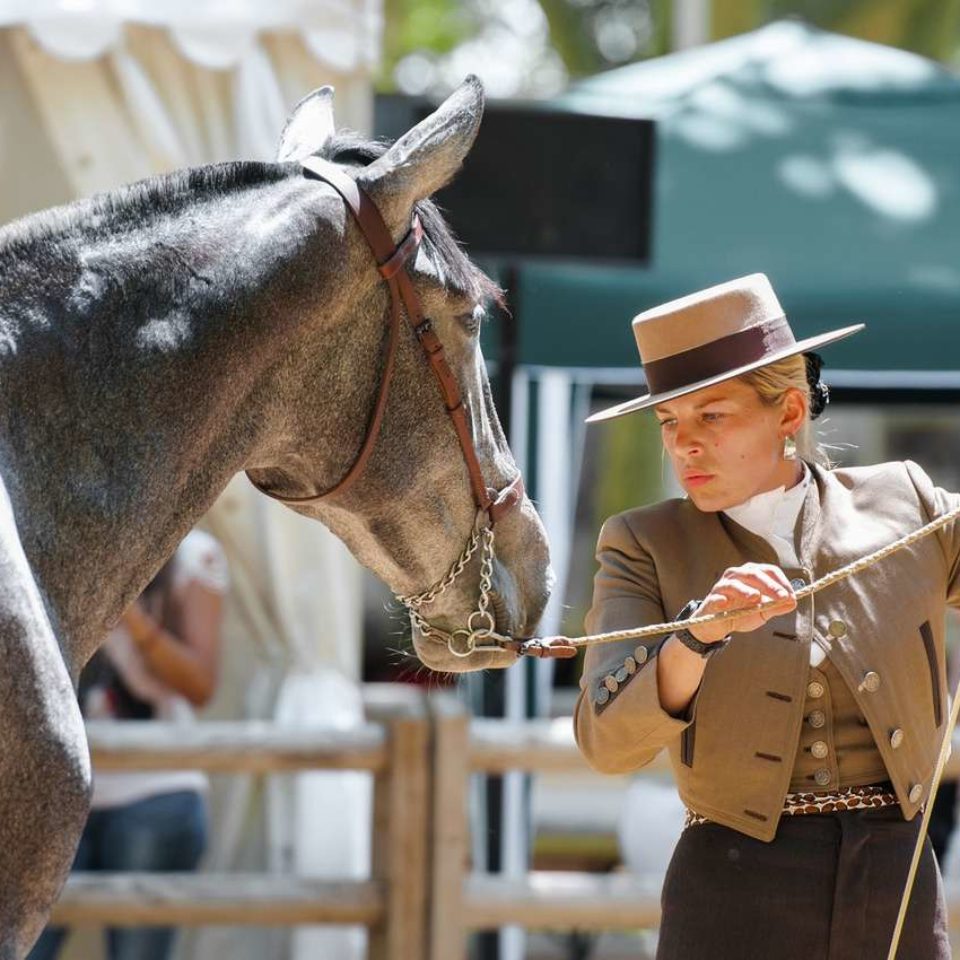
(806, 532)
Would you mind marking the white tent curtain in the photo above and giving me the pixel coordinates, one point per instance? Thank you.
(111, 92)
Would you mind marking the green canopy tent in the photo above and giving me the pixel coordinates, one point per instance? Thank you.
(830, 164)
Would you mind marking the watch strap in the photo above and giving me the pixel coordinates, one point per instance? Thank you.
(689, 640)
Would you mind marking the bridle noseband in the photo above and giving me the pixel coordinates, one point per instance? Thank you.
(491, 504)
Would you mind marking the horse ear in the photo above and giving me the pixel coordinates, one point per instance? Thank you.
(426, 157)
(309, 127)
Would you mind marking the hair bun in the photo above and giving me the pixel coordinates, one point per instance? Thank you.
(819, 391)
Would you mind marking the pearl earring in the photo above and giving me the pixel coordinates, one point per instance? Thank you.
(789, 448)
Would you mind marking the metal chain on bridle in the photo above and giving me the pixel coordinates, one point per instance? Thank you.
(479, 633)
(474, 632)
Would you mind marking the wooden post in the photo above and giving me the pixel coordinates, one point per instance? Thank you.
(449, 852)
(401, 808)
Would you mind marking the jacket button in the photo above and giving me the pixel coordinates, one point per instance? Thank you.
(621, 674)
(916, 792)
(603, 695)
(870, 682)
(896, 738)
(814, 689)
(630, 665)
(797, 583)
(610, 682)
(819, 749)
(641, 654)
(822, 776)
(837, 628)
(817, 719)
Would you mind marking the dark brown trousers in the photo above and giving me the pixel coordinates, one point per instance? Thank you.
(827, 887)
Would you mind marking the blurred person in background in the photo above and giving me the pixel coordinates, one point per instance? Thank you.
(159, 663)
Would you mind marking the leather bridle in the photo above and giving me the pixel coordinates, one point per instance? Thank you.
(491, 504)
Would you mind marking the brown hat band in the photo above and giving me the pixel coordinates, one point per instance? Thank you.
(718, 356)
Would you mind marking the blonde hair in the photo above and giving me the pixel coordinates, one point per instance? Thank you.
(772, 382)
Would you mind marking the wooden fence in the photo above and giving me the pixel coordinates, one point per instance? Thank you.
(422, 900)
(393, 746)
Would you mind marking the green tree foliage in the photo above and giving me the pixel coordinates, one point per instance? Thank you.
(594, 35)
(585, 32)
(928, 27)
(437, 26)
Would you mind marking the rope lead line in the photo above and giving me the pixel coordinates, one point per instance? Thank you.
(657, 629)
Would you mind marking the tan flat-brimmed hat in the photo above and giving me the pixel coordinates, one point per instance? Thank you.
(711, 336)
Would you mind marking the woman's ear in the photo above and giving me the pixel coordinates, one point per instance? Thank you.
(795, 408)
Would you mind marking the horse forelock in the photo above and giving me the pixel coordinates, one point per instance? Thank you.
(457, 271)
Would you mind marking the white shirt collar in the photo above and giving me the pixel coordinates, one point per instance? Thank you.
(773, 513)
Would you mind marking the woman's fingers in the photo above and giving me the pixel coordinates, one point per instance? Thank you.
(748, 586)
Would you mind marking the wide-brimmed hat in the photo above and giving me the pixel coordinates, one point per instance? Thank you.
(711, 336)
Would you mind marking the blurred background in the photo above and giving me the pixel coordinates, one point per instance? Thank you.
(631, 152)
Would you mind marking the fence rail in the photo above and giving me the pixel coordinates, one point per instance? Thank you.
(237, 899)
(422, 900)
(393, 747)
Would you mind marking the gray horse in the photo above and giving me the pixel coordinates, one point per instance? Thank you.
(157, 340)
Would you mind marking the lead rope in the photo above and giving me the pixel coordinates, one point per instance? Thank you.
(559, 645)
(945, 747)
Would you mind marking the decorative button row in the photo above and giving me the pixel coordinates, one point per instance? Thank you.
(814, 689)
(816, 719)
(612, 682)
(916, 792)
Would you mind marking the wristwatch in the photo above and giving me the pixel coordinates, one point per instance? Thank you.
(689, 640)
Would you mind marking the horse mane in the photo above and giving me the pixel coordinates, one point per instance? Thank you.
(36, 237)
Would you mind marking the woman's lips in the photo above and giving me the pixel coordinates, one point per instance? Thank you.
(697, 479)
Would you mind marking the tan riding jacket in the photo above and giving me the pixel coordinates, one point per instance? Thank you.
(732, 750)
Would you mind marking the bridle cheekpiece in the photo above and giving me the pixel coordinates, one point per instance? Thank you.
(491, 504)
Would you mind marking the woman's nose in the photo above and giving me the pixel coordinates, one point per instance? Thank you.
(686, 438)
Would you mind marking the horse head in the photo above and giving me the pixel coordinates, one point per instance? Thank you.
(385, 469)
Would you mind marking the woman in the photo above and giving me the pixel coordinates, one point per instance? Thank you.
(160, 662)
(803, 736)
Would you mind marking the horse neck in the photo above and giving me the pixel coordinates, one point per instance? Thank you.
(135, 393)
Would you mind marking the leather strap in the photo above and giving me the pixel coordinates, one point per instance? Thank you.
(391, 263)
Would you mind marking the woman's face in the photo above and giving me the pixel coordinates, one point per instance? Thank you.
(726, 445)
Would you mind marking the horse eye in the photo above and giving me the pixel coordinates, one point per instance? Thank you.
(471, 321)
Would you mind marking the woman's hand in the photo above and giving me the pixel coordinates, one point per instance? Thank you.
(748, 585)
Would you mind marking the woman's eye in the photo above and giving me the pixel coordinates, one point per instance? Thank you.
(713, 416)
(667, 423)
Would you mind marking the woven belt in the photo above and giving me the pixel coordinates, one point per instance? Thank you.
(847, 798)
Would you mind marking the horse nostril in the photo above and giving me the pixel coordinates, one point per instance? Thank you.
(501, 613)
